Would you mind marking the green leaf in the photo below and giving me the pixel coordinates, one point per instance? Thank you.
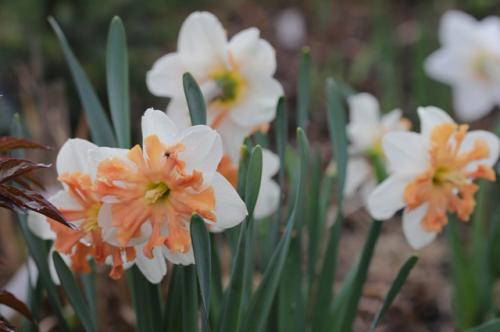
(491, 326)
(394, 290)
(195, 100)
(189, 303)
(216, 293)
(73, 293)
(260, 305)
(254, 174)
(202, 257)
(146, 301)
(338, 137)
(118, 82)
(304, 88)
(100, 128)
(173, 307)
(89, 286)
(349, 309)
(242, 263)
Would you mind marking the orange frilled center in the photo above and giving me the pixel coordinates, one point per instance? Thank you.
(85, 238)
(155, 189)
(447, 184)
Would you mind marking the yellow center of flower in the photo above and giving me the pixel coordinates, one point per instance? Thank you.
(482, 63)
(231, 85)
(156, 192)
(447, 184)
(90, 222)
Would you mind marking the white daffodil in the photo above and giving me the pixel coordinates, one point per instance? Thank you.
(150, 195)
(235, 76)
(80, 204)
(432, 173)
(365, 131)
(469, 61)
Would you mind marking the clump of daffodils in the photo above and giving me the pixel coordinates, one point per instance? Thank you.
(134, 205)
(432, 173)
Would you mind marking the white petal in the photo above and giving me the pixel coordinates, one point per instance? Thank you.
(178, 112)
(472, 101)
(392, 120)
(202, 150)
(430, 117)
(165, 78)
(446, 65)
(73, 156)
(63, 200)
(268, 199)
(38, 225)
(457, 28)
(153, 269)
(229, 208)
(252, 52)
(490, 139)
(202, 44)
(358, 171)
(416, 236)
(258, 105)
(406, 151)
(233, 135)
(363, 108)
(387, 198)
(179, 258)
(157, 123)
(270, 163)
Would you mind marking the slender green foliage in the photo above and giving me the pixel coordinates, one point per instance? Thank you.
(195, 100)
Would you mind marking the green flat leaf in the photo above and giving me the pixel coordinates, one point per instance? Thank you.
(304, 88)
(146, 301)
(189, 302)
(118, 82)
(173, 308)
(491, 326)
(394, 290)
(73, 293)
(195, 100)
(349, 308)
(216, 293)
(89, 286)
(100, 128)
(260, 305)
(254, 174)
(202, 257)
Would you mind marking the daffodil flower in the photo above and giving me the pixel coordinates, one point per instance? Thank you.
(81, 205)
(235, 76)
(433, 173)
(365, 131)
(150, 193)
(469, 61)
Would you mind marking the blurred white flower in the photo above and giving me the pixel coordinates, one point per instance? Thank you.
(290, 26)
(365, 131)
(235, 76)
(469, 61)
(432, 173)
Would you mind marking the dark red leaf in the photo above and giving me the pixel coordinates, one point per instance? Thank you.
(13, 302)
(8, 143)
(11, 168)
(20, 200)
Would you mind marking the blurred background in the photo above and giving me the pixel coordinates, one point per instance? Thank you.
(375, 46)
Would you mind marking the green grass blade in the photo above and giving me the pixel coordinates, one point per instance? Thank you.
(304, 89)
(202, 257)
(89, 286)
(491, 326)
(146, 301)
(189, 300)
(260, 305)
(349, 309)
(195, 100)
(100, 127)
(394, 290)
(314, 225)
(73, 293)
(118, 82)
